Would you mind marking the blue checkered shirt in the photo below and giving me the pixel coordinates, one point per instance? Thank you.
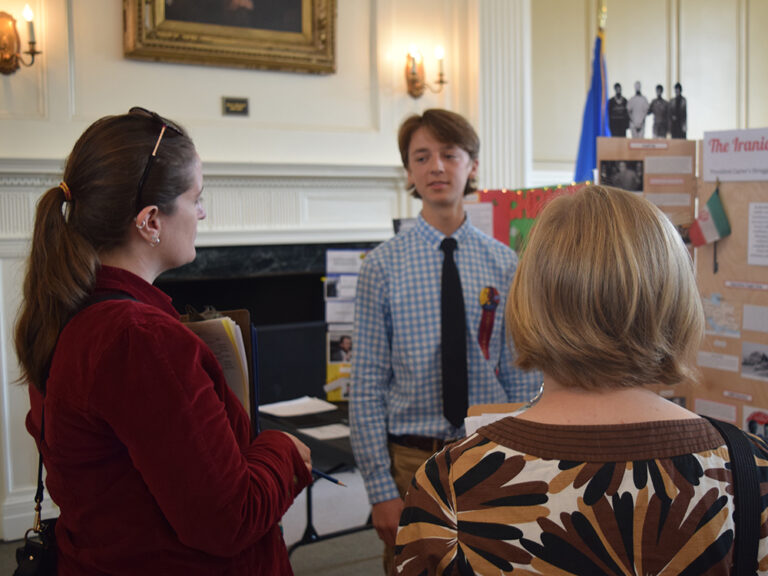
(396, 374)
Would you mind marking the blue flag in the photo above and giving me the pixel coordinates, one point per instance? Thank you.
(595, 121)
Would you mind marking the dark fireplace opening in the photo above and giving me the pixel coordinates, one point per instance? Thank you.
(271, 299)
(282, 288)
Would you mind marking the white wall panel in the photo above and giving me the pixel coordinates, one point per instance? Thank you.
(757, 64)
(638, 48)
(285, 100)
(709, 64)
(503, 80)
(334, 118)
(561, 47)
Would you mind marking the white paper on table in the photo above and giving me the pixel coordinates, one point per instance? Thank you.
(297, 407)
(327, 432)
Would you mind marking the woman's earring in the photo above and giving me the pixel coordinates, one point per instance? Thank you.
(141, 226)
(155, 240)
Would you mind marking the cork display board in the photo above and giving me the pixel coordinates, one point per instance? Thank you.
(732, 275)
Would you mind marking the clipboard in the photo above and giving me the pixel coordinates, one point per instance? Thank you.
(229, 345)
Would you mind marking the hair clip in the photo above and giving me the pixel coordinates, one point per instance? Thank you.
(66, 190)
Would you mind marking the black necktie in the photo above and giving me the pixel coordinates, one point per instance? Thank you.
(453, 332)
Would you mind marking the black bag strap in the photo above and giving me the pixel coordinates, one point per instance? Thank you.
(36, 525)
(746, 490)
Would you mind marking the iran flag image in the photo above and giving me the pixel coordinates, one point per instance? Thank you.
(712, 223)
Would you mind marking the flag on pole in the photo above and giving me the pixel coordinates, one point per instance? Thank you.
(595, 122)
(712, 223)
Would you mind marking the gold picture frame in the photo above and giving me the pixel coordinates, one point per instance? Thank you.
(305, 44)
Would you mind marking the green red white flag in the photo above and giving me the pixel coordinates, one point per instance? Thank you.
(712, 223)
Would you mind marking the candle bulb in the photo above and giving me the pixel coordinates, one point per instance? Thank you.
(440, 55)
(28, 16)
(412, 51)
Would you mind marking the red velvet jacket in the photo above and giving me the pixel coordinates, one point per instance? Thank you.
(148, 453)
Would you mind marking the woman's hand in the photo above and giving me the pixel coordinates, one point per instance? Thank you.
(303, 449)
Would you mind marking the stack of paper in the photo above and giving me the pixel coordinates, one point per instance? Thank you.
(304, 406)
(225, 339)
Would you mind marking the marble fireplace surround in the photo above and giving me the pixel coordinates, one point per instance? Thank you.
(262, 220)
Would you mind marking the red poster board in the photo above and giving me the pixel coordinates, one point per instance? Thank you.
(514, 211)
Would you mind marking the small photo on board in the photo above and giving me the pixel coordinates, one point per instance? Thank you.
(624, 174)
(339, 347)
(332, 288)
(754, 361)
(340, 286)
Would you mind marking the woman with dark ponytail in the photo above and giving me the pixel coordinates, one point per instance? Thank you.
(148, 453)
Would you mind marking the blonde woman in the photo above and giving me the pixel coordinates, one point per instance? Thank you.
(601, 475)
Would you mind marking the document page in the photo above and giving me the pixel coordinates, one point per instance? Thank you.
(224, 338)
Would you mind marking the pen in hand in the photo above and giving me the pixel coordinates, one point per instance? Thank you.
(328, 477)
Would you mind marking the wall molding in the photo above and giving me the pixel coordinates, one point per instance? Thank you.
(246, 203)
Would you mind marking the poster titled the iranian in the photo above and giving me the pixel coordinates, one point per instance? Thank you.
(736, 155)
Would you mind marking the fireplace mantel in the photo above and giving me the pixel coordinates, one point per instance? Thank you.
(246, 203)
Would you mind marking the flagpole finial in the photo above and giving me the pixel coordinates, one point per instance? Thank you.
(602, 16)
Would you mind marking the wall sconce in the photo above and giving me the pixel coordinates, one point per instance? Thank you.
(414, 72)
(10, 44)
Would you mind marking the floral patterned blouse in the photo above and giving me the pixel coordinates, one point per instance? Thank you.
(527, 498)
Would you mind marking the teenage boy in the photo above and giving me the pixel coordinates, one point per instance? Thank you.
(401, 408)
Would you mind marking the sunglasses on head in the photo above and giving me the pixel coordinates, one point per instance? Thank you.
(164, 125)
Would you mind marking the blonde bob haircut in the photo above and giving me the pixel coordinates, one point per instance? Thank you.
(605, 294)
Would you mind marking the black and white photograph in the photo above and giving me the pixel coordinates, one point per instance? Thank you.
(624, 174)
(754, 361)
(339, 347)
(340, 286)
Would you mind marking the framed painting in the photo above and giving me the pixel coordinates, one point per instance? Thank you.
(290, 35)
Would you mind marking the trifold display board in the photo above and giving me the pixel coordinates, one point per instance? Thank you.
(732, 275)
(341, 267)
(664, 171)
